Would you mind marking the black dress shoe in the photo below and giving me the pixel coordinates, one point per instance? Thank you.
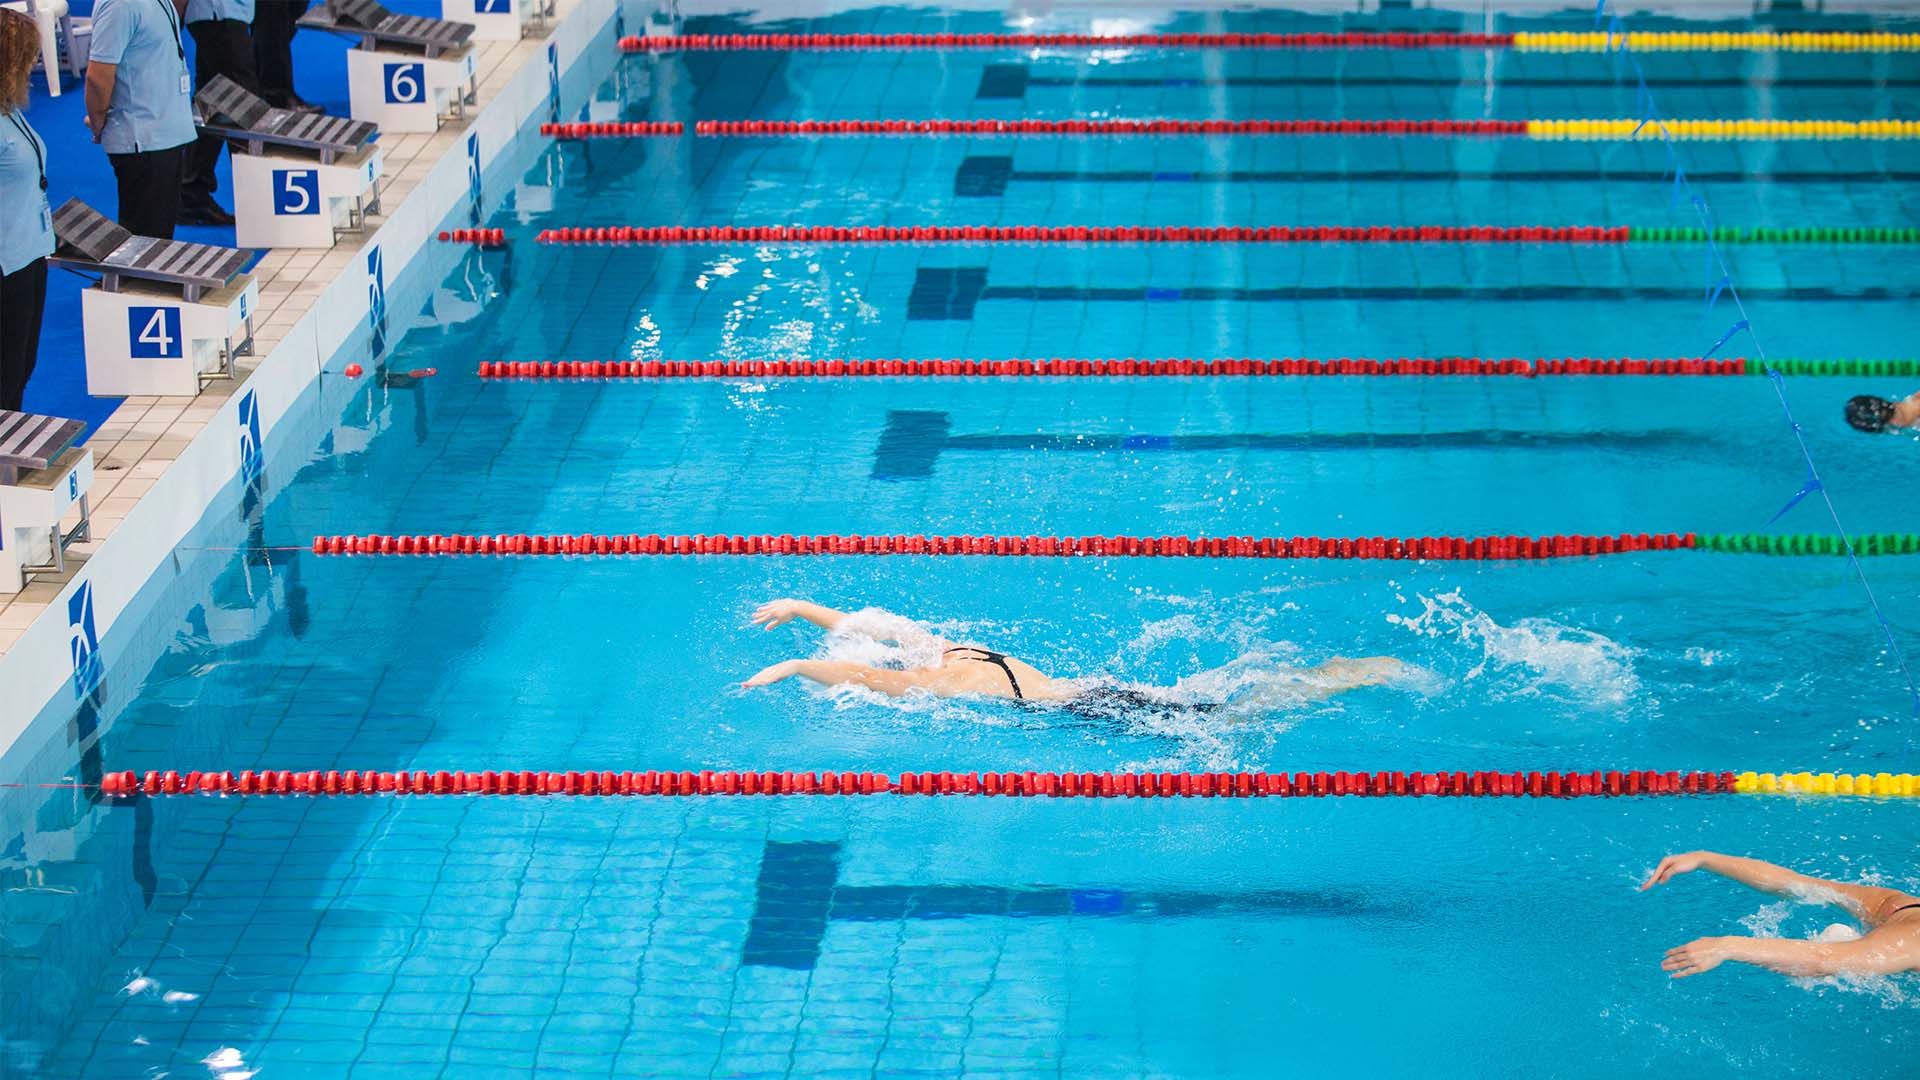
(210, 213)
(296, 104)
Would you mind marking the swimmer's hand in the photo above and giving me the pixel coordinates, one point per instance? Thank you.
(1674, 865)
(1698, 957)
(778, 613)
(780, 672)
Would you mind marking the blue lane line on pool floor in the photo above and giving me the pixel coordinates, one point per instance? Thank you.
(987, 176)
(798, 893)
(912, 441)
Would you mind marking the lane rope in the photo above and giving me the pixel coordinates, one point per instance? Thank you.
(1594, 129)
(1058, 367)
(1526, 41)
(1131, 785)
(1481, 784)
(630, 235)
(627, 235)
(1216, 547)
(1447, 548)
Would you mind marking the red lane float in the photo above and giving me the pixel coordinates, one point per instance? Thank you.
(1066, 368)
(1108, 127)
(625, 235)
(476, 237)
(1055, 785)
(620, 130)
(1193, 547)
(788, 42)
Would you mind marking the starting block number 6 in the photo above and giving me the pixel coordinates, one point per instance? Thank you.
(406, 84)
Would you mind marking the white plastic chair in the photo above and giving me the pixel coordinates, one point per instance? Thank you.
(55, 23)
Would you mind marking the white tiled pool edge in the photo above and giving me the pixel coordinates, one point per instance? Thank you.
(58, 651)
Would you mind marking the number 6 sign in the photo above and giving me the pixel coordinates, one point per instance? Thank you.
(406, 84)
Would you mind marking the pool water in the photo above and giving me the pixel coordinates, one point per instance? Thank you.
(945, 937)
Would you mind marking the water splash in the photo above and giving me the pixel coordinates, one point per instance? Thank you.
(1530, 657)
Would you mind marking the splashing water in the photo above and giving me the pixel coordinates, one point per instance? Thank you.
(1532, 656)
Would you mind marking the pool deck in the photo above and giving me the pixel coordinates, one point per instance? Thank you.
(144, 436)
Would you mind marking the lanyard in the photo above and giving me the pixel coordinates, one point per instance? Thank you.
(173, 20)
(39, 155)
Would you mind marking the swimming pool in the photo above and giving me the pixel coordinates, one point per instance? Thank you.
(393, 936)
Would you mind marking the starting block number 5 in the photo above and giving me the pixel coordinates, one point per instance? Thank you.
(406, 84)
(296, 191)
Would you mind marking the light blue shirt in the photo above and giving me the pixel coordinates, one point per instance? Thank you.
(206, 10)
(26, 233)
(152, 106)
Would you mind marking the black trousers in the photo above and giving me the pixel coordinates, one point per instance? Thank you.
(220, 47)
(23, 297)
(149, 184)
(274, 23)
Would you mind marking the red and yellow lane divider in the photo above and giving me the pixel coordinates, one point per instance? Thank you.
(1119, 368)
(892, 42)
(1530, 41)
(1125, 785)
(1577, 129)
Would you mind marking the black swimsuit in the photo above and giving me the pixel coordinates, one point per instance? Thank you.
(988, 656)
(1901, 908)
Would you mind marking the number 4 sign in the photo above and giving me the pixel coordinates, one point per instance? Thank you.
(296, 191)
(153, 333)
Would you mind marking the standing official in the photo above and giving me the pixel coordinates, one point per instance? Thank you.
(222, 45)
(139, 107)
(26, 232)
(274, 23)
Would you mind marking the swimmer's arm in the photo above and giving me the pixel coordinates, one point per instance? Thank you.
(781, 612)
(1800, 959)
(839, 673)
(1865, 901)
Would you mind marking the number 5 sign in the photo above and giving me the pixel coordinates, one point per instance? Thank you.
(153, 333)
(296, 191)
(406, 84)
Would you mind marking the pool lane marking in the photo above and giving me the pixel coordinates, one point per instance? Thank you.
(684, 782)
(1412, 548)
(1638, 41)
(1593, 235)
(1451, 366)
(1554, 130)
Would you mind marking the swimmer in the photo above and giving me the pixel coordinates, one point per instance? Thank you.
(954, 669)
(1876, 414)
(1891, 943)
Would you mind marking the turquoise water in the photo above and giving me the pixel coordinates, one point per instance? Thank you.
(963, 937)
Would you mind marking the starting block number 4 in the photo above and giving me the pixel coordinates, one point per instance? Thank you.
(153, 333)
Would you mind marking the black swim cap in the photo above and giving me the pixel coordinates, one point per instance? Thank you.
(1868, 413)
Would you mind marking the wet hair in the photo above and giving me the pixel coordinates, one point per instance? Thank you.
(1868, 413)
(19, 47)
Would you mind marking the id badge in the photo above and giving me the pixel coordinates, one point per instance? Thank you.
(186, 83)
(46, 217)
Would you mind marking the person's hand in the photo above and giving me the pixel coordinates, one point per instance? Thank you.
(1697, 957)
(777, 613)
(87, 119)
(1673, 866)
(779, 672)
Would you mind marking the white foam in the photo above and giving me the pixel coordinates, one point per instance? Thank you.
(1532, 655)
